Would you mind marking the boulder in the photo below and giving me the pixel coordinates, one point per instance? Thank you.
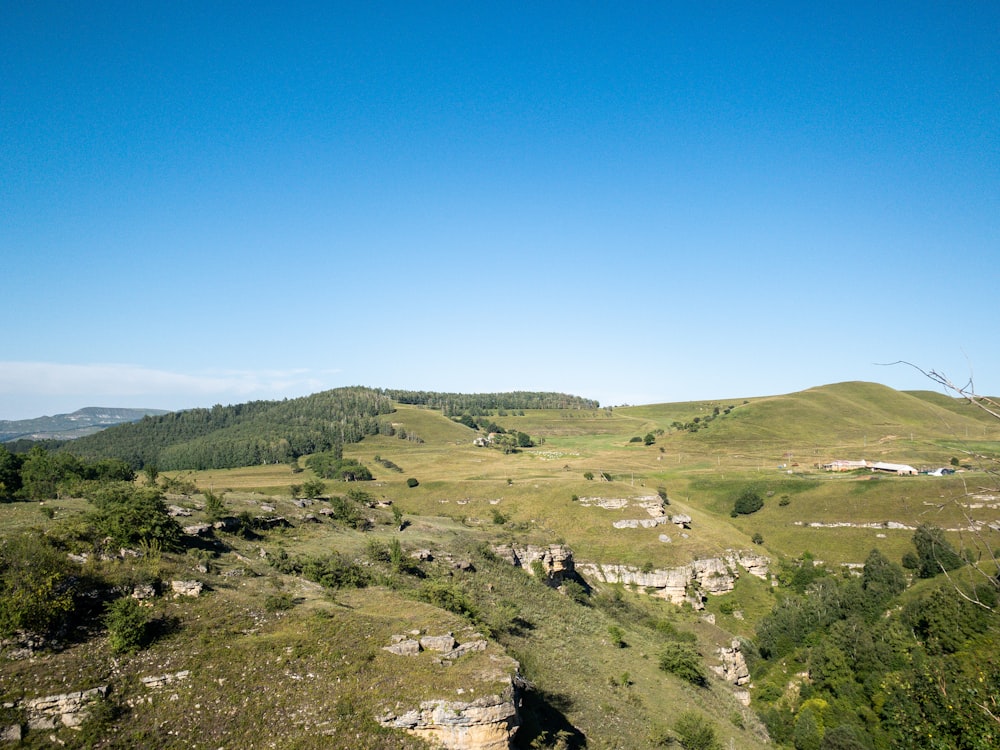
(487, 723)
(67, 709)
(404, 647)
(187, 588)
(441, 643)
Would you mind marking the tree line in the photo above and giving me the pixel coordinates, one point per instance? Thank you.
(483, 404)
(253, 433)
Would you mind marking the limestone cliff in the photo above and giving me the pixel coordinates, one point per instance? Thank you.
(556, 560)
(486, 723)
(687, 583)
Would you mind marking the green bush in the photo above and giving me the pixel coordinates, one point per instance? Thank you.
(412, 482)
(684, 662)
(449, 596)
(37, 586)
(133, 516)
(694, 732)
(749, 501)
(280, 602)
(127, 624)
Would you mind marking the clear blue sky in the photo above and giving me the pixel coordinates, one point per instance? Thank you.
(214, 202)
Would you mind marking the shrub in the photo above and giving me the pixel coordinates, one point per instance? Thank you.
(133, 516)
(215, 506)
(694, 732)
(684, 662)
(37, 586)
(749, 501)
(448, 596)
(617, 636)
(127, 624)
(757, 538)
(575, 591)
(412, 482)
(313, 487)
(279, 602)
(334, 572)
(588, 475)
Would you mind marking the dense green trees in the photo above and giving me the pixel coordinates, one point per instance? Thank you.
(10, 473)
(879, 674)
(257, 432)
(934, 554)
(481, 404)
(330, 466)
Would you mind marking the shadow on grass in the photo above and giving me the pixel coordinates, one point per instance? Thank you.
(544, 723)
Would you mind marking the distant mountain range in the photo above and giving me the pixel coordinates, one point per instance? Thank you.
(82, 422)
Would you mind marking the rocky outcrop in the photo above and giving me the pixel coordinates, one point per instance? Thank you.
(687, 583)
(66, 709)
(154, 682)
(732, 666)
(186, 588)
(486, 723)
(556, 560)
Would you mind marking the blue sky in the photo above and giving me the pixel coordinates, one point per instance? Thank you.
(214, 202)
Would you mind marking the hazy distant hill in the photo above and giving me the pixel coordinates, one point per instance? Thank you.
(82, 422)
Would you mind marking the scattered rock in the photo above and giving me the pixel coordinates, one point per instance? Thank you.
(732, 666)
(143, 591)
(157, 681)
(198, 529)
(466, 648)
(227, 524)
(187, 588)
(12, 733)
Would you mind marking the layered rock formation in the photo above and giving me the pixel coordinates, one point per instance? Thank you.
(687, 583)
(51, 711)
(556, 560)
(486, 723)
(733, 669)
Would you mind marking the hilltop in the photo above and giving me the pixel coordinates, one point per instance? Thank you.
(578, 569)
(70, 426)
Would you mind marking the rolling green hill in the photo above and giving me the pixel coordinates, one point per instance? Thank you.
(304, 594)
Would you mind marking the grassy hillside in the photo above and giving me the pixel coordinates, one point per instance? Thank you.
(264, 641)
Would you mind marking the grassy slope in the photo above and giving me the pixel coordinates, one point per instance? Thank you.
(566, 650)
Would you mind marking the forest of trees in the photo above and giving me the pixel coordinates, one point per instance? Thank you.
(249, 434)
(482, 404)
(875, 665)
(267, 432)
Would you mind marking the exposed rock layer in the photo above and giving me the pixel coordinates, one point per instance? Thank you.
(687, 583)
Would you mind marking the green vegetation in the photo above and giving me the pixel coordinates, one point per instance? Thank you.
(305, 585)
(747, 502)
